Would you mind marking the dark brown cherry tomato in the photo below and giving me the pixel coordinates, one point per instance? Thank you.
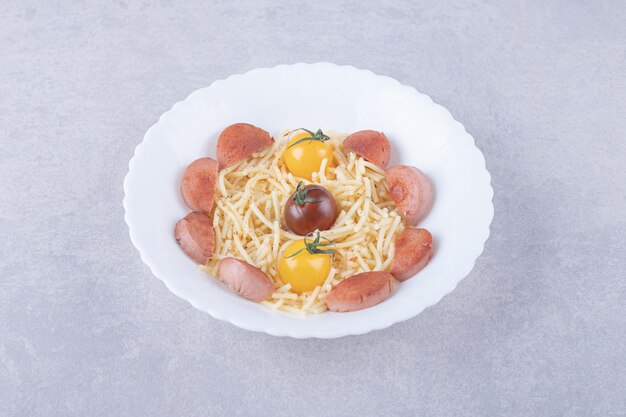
(310, 208)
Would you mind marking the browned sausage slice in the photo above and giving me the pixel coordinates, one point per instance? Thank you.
(412, 192)
(371, 145)
(239, 141)
(195, 235)
(414, 248)
(361, 291)
(198, 185)
(244, 279)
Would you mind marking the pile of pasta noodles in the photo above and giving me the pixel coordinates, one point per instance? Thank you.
(248, 224)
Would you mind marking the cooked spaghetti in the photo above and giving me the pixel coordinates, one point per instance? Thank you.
(248, 223)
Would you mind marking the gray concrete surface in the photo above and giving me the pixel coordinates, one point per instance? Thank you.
(537, 329)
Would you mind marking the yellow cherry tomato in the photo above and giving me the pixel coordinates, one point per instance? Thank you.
(305, 158)
(304, 271)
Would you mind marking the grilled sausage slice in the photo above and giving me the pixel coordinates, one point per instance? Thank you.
(244, 279)
(195, 235)
(239, 141)
(361, 291)
(412, 192)
(371, 145)
(414, 248)
(198, 185)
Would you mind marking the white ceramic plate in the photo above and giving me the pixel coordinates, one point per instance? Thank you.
(338, 98)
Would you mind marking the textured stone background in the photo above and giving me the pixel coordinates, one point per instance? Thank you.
(538, 328)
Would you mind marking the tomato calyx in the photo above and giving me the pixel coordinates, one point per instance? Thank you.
(314, 247)
(318, 136)
(300, 196)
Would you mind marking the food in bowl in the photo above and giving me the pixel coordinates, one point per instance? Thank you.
(310, 222)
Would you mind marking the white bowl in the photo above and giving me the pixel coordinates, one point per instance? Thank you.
(323, 95)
